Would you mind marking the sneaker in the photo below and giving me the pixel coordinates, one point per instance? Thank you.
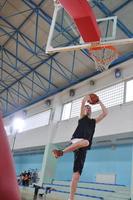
(57, 153)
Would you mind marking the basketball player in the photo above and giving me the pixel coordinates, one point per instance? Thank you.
(81, 140)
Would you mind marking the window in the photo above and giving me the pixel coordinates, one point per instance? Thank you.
(37, 120)
(71, 109)
(110, 96)
(129, 91)
(76, 104)
(66, 111)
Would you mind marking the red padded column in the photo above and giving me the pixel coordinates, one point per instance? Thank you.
(84, 18)
(8, 184)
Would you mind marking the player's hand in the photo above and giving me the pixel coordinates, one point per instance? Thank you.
(87, 98)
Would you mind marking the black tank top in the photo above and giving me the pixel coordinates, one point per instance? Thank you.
(85, 129)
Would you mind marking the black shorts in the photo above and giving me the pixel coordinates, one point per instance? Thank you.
(79, 159)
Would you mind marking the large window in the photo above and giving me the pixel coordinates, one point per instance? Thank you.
(66, 111)
(129, 91)
(110, 96)
(37, 120)
(76, 104)
(32, 122)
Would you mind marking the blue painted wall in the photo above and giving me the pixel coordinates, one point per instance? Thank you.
(100, 160)
(28, 161)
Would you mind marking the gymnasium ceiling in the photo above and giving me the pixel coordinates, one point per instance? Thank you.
(27, 73)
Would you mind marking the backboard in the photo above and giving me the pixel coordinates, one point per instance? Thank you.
(64, 35)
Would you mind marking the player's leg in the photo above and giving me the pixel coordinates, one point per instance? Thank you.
(74, 146)
(79, 159)
(73, 186)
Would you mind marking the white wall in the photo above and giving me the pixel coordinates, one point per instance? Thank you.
(64, 130)
(118, 121)
(32, 138)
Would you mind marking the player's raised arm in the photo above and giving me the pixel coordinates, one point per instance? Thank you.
(103, 114)
(86, 98)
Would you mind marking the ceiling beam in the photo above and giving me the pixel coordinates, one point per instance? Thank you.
(20, 26)
(17, 41)
(29, 67)
(107, 12)
(125, 3)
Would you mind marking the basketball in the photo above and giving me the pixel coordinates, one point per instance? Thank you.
(94, 99)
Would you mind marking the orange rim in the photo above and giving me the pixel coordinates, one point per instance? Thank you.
(106, 47)
(99, 47)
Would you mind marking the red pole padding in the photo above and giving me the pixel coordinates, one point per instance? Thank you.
(84, 18)
(9, 189)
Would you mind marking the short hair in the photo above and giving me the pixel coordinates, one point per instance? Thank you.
(87, 106)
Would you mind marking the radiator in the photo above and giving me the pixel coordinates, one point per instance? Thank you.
(106, 178)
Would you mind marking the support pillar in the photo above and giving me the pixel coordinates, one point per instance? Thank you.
(48, 165)
(131, 188)
(49, 162)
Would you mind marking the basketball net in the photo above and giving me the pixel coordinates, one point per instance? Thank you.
(103, 55)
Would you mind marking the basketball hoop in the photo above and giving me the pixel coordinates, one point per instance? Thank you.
(103, 55)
